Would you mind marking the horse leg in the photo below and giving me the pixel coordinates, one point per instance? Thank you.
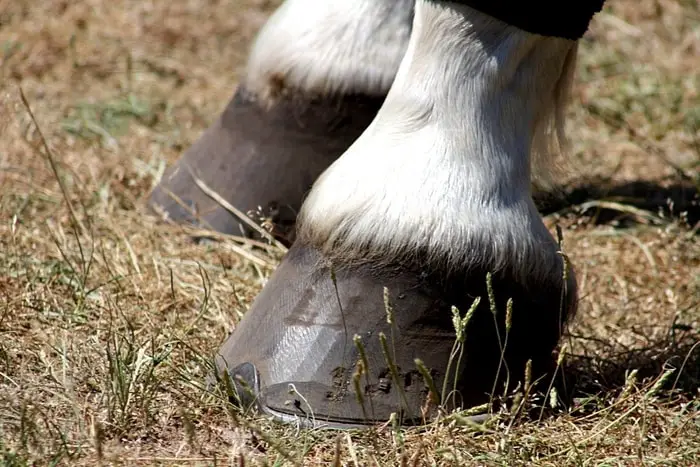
(434, 196)
(315, 78)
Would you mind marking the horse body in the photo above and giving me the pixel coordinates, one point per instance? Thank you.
(432, 194)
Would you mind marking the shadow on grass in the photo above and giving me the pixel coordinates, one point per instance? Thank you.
(668, 201)
(606, 370)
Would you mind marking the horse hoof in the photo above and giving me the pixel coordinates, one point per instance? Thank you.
(261, 158)
(295, 353)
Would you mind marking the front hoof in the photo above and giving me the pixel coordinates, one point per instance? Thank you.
(316, 347)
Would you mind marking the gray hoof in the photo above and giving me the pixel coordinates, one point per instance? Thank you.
(261, 160)
(294, 351)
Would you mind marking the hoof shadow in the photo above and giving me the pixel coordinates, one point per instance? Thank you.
(672, 201)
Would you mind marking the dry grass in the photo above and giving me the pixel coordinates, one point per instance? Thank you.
(108, 319)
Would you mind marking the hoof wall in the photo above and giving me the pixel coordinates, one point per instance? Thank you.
(316, 349)
(261, 160)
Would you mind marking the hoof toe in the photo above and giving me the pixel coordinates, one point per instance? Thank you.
(245, 385)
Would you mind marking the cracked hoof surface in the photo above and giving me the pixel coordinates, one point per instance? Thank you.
(293, 353)
(261, 159)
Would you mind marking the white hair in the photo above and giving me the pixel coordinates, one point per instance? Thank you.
(445, 166)
(330, 46)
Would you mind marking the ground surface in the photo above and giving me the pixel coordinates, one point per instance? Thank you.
(108, 318)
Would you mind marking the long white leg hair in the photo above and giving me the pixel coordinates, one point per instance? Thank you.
(445, 168)
(330, 46)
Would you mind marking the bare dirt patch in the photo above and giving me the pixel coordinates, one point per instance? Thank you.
(108, 318)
